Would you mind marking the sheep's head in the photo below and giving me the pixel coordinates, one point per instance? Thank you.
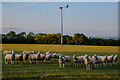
(60, 57)
(39, 53)
(105, 57)
(49, 52)
(55, 53)
(116, 56)
(95, 56)
(112, 56)
(13, 52)
(86, 56)
(74, 56)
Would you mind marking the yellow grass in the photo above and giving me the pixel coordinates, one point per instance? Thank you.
(59, 48)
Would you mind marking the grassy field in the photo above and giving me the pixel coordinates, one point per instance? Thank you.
(51, 69)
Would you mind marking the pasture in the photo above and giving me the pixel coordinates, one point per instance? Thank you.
(51, 69)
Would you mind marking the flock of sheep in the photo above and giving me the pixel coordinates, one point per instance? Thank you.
(63, 60)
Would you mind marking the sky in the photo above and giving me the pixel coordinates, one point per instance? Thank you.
(94, 19)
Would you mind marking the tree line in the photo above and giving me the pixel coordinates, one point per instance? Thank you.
(40, 38)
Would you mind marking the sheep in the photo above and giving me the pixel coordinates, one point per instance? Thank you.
(47, 57)
(103, 60)
(61, 61)
(77, 60)
(88, 61)
(25, 57)
(55, 56)
(96, 60)
(115, 59)
(67, 58)
(10, 57)
(19, 57)
(28, 52)
(7, 52)
(35, 57)
(48, 52)
(42, 57)
(110, 59)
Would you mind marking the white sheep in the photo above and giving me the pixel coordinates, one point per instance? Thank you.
(10, 57)
(42, 57)
(77, 60)
(7, 52)
(115, 59)
(48, 52)
(61, 61)
(57, 55)
(34, 57)
(103, 59)
(88, 61)
(28, 52)
(19, 57)
(97, 60)
(110, 59)
(47, 57)
(68, 59)
(53, 56)
(25, 57)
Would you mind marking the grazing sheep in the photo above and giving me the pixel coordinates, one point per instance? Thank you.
(115, 59)
(110, 59)
(28, 52)
(53, 56)
(7, 52)
(25, 57)
(96, 60)
(61, 61)
(48, 52)
(88, 61)
(19, 57)
(10, 57)
(103, 59)
(77, 60)
(57, 56)
(34, 57)
(42, 57)
(67, 58)
(47, 57)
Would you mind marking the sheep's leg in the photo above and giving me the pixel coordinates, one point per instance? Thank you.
(60, 65)
(69, 62)
(97, 65)
(100, 64)
(19, 61)
(75, 64)
(30, 61)
(11, 62)
(6, 61)
(104, 64)
(66, 63)
(63, 65)
(89, 66)
(110, 64)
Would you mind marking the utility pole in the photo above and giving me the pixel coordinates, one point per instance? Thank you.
(61, 10)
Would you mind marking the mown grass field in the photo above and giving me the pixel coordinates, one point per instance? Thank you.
(51, 69)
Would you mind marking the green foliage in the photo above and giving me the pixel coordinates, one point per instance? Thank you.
(40, 38)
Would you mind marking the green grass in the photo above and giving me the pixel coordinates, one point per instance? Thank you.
(52, 70)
